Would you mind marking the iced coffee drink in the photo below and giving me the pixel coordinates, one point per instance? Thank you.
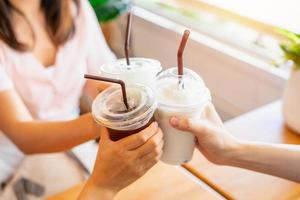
(140, 71)
(108, 109)
(183, 96)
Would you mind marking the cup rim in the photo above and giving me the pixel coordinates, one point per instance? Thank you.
(188, 106)
(156, 65)
(123, 124)
(173, 72)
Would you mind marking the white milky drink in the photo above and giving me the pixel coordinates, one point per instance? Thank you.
(184, 97)
(140, 71)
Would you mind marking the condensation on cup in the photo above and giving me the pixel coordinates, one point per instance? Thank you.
(182, 96)
(140, 71)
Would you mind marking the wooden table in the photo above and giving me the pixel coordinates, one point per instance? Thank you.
(265, 124)
(162, 182)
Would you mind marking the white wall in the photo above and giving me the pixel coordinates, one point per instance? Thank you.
(237, 85)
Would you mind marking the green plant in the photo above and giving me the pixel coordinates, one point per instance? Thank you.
(107, 10)
(291, 49)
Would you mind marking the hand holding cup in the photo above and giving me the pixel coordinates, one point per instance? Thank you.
(120, 163)
(213, 140)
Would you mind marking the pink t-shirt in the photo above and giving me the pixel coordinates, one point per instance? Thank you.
(52, 93)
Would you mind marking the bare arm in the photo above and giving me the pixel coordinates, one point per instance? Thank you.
(220, 147)
(41, 137)
(275, 159)
(91, 90)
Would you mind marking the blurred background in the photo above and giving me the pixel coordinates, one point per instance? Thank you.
(234, 44)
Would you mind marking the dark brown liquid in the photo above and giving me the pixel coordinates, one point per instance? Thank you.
(117, 134)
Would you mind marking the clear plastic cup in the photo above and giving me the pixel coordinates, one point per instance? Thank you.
(141, 71)
(182, 96)
(108, 109)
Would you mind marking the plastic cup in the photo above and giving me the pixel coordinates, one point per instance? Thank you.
(140, 71)
(183, 100)
(108, 109)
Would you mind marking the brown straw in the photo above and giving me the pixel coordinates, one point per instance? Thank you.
(120, 82)
(184, 40)
(127, 39)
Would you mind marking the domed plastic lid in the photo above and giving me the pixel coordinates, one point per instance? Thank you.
(136, 64)
(181, 91)
(109, 110)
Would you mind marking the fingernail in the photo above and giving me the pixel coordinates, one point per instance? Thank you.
(155, 124)
(174, 121)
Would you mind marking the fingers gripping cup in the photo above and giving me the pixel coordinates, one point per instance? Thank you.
(183, 96)
(139, 71)
(108, 109)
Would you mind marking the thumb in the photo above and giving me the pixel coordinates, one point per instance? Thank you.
(186, 124)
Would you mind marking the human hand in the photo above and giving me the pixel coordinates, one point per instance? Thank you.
(120, 163)
(213, 140)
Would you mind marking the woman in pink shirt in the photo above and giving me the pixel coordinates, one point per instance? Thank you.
(46, 46)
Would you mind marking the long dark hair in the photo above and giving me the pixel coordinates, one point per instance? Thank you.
(58, 15)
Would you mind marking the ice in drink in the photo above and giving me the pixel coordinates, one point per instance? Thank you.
(109, 110)
(140, 71)
(184, 96)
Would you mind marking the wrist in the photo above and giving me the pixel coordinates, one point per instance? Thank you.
(97, 190)
(233, 152)
(100, 181)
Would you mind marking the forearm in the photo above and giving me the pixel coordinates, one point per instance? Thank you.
(274, 159)
(44, 137)
(93, 88)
